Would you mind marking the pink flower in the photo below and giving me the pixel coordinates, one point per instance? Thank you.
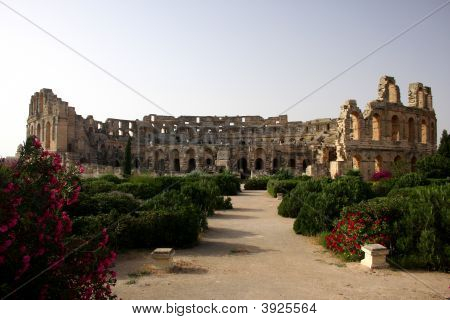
(26, 259)
(81, 169)
(37, 144)
(3, 228)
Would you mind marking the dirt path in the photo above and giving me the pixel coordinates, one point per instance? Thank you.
(252, 253)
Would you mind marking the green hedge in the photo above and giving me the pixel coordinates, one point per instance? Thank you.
(320, 209)
(281, 186)
(259, 183)
(94, 186)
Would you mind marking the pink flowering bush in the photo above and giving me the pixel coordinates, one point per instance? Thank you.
(39, 256)
(381, 175)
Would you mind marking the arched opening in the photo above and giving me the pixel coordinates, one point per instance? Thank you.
(54, 129)
(355, 125)
(397, 159)
(259, 164)
(432, 134)
(38, 133)
(413, 164)
(191, 165)
(423, 127)
(305, 164)
(395, 123)
(292, 163)
(47, 135)
(209, 162)
(161, 164)
(242, 164)
(116, 163)
(411, 130)
(378, 163)
(376, 127)
(31, 130)
(275, 164)
(176, 165)
(136, 163)
(356, 162)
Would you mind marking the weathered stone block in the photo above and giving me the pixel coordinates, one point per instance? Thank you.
(375, 256)
(163, 258)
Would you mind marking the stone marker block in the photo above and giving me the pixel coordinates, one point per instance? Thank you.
(375, 256)
(163, 257)
(279, 196)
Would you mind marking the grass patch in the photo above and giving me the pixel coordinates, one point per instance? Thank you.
(130, 282)
(139, 274)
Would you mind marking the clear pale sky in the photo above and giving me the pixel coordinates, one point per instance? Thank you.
(217, 57)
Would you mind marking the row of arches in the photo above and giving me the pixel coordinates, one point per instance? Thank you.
(45, 133)
(378, 163)
(427, 131)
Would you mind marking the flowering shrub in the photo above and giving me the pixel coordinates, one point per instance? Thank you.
(367, 222)
(381, 175)
(39, 258)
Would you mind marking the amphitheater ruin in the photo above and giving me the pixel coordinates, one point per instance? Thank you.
(371, 140)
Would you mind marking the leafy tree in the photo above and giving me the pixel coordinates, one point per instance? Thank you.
(127, 162)
(444, 145)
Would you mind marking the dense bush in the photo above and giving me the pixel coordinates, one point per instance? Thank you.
(319, 210)
(434, 166)
(259, 183)
(281, 186)
(293, 201)
(227, 183)
(36, 234)
(283, 174)
(111, 178)
(223, 203)
(380, 175)
(203, 193)
(366, 222)
(421, 235)
(412, 179)
(382, 187)
(413, 222)
(93, 186)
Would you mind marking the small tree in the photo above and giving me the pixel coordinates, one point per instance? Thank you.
(127, 162)
(444, 145)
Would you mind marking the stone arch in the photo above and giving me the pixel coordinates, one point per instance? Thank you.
(191, 162)
(305, 164)
(397, 159)
(209, 157)
(395, 128)
(159, 161)
(432, 133)
(47, 135)
(275, 164)
(175, 160)
(378, 163)
(376, 127)
(242, 165)
(411, 130)
(356, 162)
(292, 163)
(355, 125)
(423, 130)
(38, 131)
(31, 130)
(54, 129)
(259, 164)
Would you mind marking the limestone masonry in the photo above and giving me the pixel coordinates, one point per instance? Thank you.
(370, 140)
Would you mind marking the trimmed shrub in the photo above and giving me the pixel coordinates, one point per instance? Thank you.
(122, 202)
(111, 178)
(259, 183)
(281, 186)
(94, 186)
(223, 203)
(319, 210)
(283, 174)
(382, 187)
(227, 183)
(412, 179)
(293, 201)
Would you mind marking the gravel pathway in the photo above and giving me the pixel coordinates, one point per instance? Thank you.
(252, 253)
